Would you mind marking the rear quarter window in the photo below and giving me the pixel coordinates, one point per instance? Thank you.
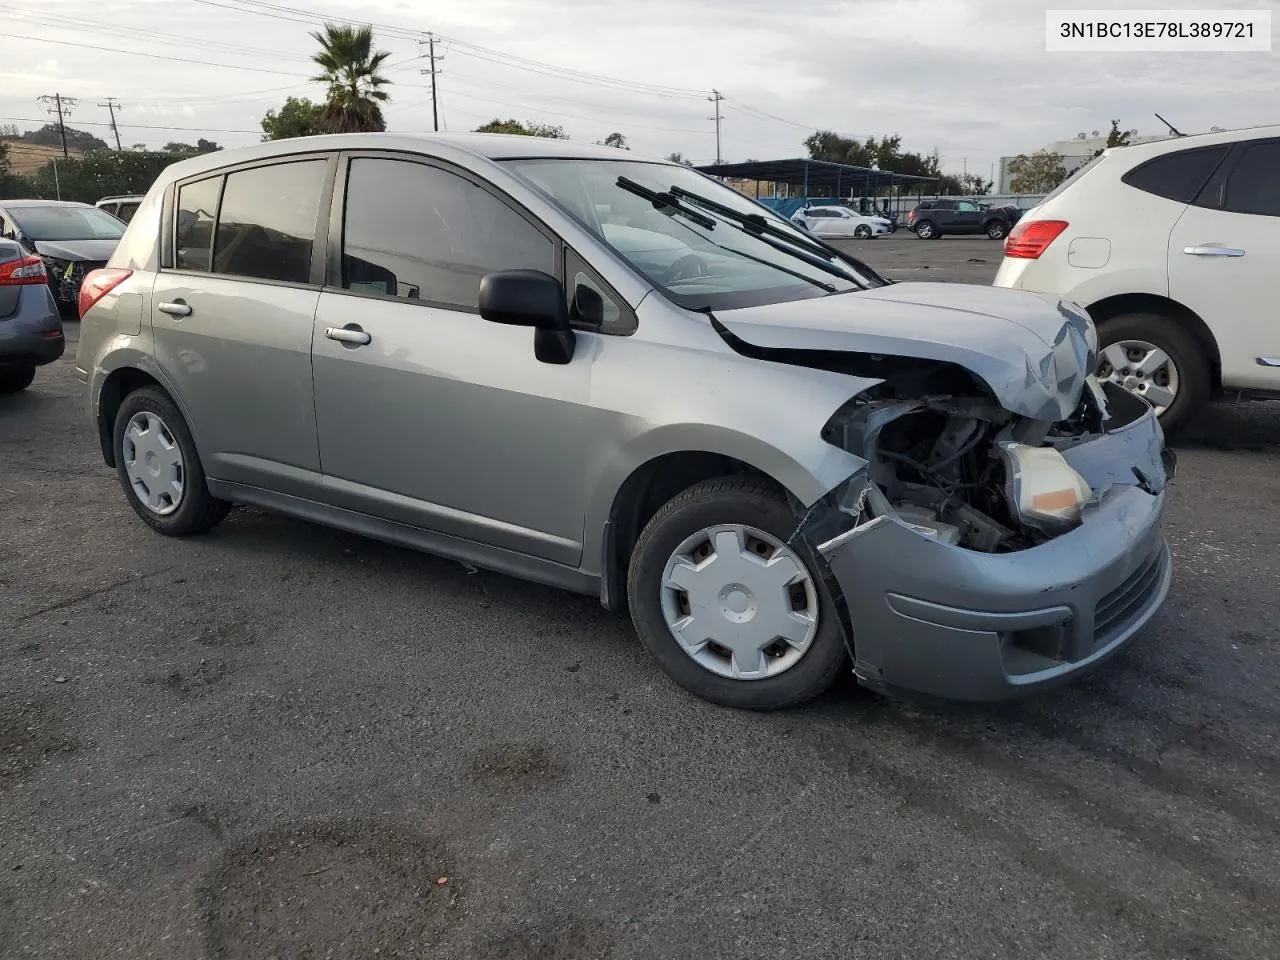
(1177, 176)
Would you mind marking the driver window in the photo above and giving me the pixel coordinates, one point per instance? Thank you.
(421, 233)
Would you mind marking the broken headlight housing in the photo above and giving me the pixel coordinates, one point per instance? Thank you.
(1043, 491)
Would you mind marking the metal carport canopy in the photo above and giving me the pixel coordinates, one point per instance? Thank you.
(812, 174)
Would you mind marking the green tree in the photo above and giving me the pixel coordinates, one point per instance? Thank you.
(1115, 138)
(100, 173)
(974, 185)
(680, 158)
(523, 129)
(615, 140)
(350, 67)
(174, 146)
(1037, 172)
(299, 117)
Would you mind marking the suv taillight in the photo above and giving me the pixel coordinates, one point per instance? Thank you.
(911, 217)
(1028, 240)
(98, 284)
(21, 272)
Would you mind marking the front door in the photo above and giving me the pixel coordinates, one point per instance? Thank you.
(1224, 256)
(232, 317)
(967, 217)
(428, 414)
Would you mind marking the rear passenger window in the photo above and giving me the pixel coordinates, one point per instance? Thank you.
(267, 222)
(193, 235)
(422, 233)
(1177, 176)
(1254, 184)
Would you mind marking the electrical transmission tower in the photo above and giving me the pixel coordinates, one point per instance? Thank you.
(62, 107)
(112, 106)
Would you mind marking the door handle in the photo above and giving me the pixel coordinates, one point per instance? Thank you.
(352, 335)
(175, 309)
(1213, 250)
(1269, 361)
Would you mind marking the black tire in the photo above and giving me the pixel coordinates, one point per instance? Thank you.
(11, 381)
(927, 230)
(197, 510)
(862, 232)
(996, 229)
(730, 500)
(1195, 374)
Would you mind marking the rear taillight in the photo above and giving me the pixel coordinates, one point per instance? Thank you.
(911, 217)
(98, 284)
(20, 272)
(1028, 240)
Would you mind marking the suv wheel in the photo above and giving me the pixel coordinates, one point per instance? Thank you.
(862, 231)
(997, 229)
(1160, 361)
(925, 230)
(159, 468)
(11, 381)
(728, 608)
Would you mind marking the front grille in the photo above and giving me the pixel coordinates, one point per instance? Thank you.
(1118, 608)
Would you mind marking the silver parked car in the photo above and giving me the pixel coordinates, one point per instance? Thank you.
(622, 378)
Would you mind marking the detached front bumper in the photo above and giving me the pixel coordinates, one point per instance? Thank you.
(949, 622)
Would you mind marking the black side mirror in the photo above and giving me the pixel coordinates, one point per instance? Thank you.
(530, 298)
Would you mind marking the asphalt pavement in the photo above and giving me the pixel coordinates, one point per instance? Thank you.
(278, 740)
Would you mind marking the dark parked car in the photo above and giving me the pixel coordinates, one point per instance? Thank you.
(30, 329)
(935, 218)
(70, 238)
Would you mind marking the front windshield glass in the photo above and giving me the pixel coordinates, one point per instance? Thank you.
(716, 268)
(67, 223)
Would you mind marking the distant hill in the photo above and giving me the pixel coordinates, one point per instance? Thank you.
(26, 158)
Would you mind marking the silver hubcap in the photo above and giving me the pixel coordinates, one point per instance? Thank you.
(924, 230)
(739, 602)
(1142, 368)
(153, 463)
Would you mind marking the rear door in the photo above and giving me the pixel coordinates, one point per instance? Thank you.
(233, 308)
(943, 215)
(1224, 257)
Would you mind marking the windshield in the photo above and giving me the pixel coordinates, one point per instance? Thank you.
(66, 223)
(700, 261)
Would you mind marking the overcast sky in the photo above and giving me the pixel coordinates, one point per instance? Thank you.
(968, 77)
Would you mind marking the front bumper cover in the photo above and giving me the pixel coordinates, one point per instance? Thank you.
(954, 623)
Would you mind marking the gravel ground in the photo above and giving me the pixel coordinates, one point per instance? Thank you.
(282, 741)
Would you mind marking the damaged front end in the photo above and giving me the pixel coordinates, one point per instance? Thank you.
(982, 554)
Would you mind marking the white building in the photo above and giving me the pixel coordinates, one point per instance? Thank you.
(1075, 153)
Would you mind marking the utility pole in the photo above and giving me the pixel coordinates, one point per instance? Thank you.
(431, 48)
(62, 106)
(112, 106)
(716, 98)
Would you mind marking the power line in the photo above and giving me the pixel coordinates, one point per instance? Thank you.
(134, 126)
(152, 56)
(112, 105)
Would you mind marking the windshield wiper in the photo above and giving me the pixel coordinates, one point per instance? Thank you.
(811, 251)
(667, 201)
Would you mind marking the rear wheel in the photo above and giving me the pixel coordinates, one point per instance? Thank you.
(159, 468)
(727, 606)
(926, 230)
(11, 381)
(1159, 360)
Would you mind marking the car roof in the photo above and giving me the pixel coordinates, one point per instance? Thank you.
(488, 146)
(43, 203)
(1155, 148)
(124, 196)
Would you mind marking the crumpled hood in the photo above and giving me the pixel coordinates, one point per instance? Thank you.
(93, 250)
(1033, 351)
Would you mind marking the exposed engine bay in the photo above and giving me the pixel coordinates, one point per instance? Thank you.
(964, 471)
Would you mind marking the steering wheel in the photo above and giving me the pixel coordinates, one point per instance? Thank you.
(687, 267)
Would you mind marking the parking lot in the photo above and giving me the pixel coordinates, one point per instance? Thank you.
(277, 740)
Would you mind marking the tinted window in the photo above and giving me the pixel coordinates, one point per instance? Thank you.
(967, 205)
(1176, 176)
(576, 274)
(66, 223)
(418, 232)
(268, 221)
(1254, 183)
(197, 204)
(945, 205)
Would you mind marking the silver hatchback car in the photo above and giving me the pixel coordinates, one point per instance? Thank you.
(622, 378)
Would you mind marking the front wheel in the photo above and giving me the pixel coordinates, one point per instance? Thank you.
(12, 381)
(159, 468)
(1160, 361)
(862, 232)
(728, 607)
(997, 230)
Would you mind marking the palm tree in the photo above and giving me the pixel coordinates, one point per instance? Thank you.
(350, 68)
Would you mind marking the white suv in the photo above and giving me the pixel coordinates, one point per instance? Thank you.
(1174, 248)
